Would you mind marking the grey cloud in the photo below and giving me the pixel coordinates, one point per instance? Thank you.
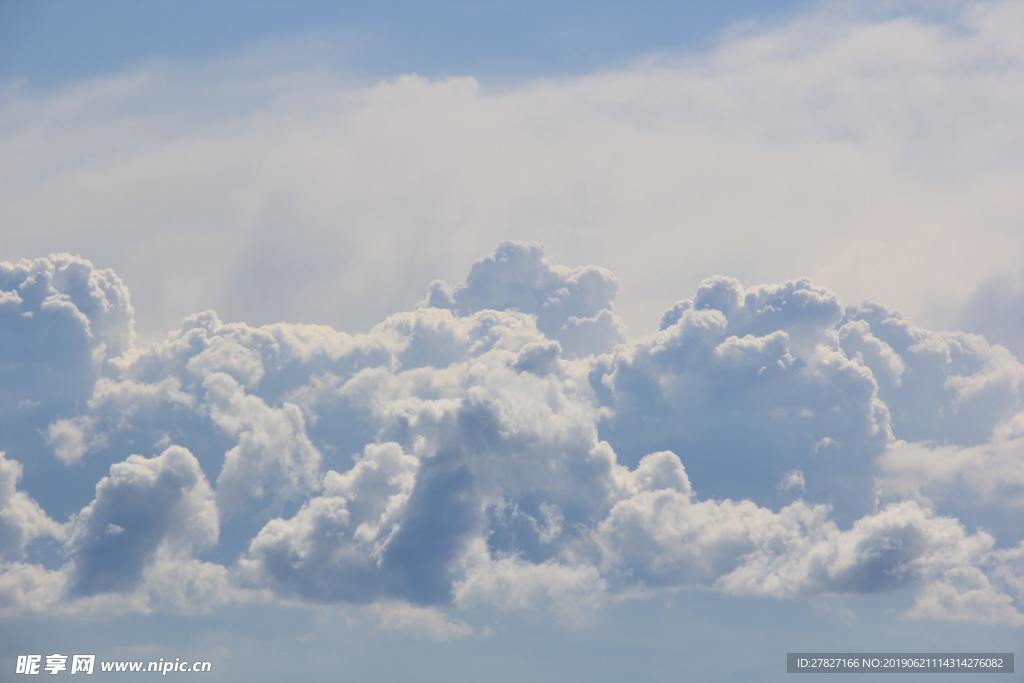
(142, 506)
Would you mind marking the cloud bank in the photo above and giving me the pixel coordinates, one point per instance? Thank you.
(505, 446)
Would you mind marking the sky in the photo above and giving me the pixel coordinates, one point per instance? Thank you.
(547, 341)
(48, 43)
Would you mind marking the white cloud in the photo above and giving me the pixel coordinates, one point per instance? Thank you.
(792, 481)
(189, 586)
(333, 548)
(464, 457)
(966, 594)
(990, 474)
(573, 592)
(736, 371)
(812, 386)
(29, 588)
(666, 539)
(273, 461)
(459, 453)
(572, 305)
(399, 616)
(948, 387)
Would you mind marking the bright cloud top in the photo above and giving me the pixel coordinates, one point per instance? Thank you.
(504, 446)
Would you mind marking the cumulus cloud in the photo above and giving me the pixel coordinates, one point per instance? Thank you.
(733, 372)
(949, 387)
(61, 322)
(810, 385)
(332, 549)
(273, 460)
(506, 444)
(144, 505)
(966, 594)
(61, 318)
(995, 595)
(469, 454)
(572, 305)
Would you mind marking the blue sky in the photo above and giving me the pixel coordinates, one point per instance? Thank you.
(547, 341)
(53, 42)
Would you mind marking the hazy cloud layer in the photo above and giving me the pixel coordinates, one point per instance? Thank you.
(498, 447)
(996, 310)
(878, 153)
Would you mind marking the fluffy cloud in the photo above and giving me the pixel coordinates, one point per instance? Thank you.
(968, 593)
(471, 454)
(733, 372)
(572, 305)
(948, 387)
(666, 538)
(505, 444)
(508, 582)
(273, 460)
(812, 387)
(332, 549)
(29, 588)
(61, 322)
(60, 319)
(142, 507)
